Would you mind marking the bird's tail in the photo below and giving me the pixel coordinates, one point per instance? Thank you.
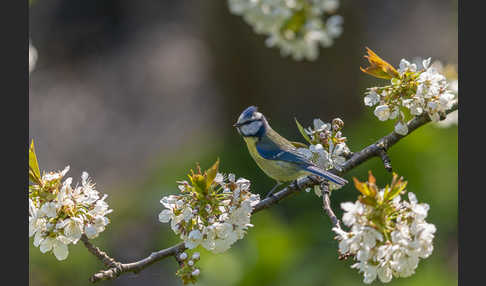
(326, 175)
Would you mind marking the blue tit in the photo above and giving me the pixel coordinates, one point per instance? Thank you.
(274, 154)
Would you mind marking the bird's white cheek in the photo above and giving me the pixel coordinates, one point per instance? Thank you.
(251, 129)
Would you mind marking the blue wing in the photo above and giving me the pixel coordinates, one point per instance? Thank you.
(269, 150)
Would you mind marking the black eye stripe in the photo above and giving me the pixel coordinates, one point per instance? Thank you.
(249, 121)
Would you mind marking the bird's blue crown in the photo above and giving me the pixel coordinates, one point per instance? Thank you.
(247, 114)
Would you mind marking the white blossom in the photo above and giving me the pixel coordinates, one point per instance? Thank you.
(353, 212)
(415, 105)
(421, 88)
(334, 25)
(385, 274)
(451, 118)
(60, 215)
(193, 239)
(165, 216)
(187, 214)
(59, 249)
(73, 228)
(326, 159)
(372, 98)
(49, 209)
(225, 218)
(55, 176)
(401, 128)
(302, 41)
(90, 230)
(327, 147)
(406, 66)
(380, 257)
(382, 112)
(434, 90)
(394, 113)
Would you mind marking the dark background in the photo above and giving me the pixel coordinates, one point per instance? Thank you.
(136, 92)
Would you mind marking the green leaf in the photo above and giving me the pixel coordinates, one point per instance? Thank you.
(199, 183)
(212, 172)
(396, 190)
(367, 200)
(362, 187)
(302, 131)
(34, 172)
(397, 186)
(386, 193)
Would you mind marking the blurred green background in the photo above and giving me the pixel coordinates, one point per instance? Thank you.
(137, 92)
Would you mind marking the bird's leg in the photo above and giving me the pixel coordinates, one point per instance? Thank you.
(315, 180)
(295, 184)
(273, 189)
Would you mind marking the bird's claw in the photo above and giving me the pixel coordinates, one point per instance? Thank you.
(270, 194)
(296, 185)
(273, 190)
(314, 180)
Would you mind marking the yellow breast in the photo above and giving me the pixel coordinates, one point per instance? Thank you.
(277, 170)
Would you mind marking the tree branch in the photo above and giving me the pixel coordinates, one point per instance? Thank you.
(377, 149)
(135, 267)
(101, 255)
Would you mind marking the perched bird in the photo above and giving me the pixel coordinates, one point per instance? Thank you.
(274, 154)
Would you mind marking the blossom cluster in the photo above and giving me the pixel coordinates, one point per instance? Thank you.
(188, 271)
(60, 214)
(411, 91)
(327, 147)
(213, 210)
(297, 27)
(388, 236)
(450, 72)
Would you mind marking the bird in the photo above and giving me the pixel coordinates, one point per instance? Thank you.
(276, 156)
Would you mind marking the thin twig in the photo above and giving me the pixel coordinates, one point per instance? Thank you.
(374, 150)
(385, 142)
(326, 205)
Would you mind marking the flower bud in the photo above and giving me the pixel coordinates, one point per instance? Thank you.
(401, 128)
(183, 256)
(337, 124)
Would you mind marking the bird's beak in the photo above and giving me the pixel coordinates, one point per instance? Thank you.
(237, 125)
